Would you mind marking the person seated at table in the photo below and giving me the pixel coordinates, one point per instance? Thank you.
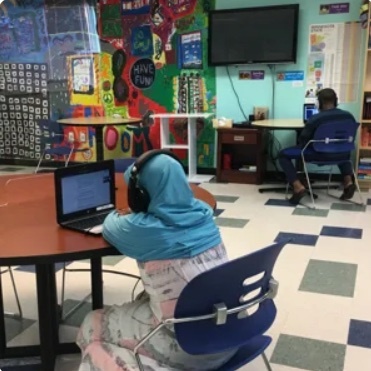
(174, 238)
(328, 112)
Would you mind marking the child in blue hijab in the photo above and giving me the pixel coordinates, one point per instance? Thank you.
(176, 225)
(173, 242)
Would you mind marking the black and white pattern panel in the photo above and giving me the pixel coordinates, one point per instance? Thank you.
(23, 101)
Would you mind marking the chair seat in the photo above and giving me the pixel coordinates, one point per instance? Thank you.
(247, 353)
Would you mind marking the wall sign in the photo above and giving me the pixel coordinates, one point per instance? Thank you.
(290, 76)
(142, 73)
(334, 8)
(251, 74)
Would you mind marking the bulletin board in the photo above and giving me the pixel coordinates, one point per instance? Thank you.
(334, 59)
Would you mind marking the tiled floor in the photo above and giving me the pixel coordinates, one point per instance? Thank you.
(324, 303)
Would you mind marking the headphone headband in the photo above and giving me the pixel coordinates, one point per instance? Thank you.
(138, 197)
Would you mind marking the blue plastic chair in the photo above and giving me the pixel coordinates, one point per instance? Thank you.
(329, 139)
(53, 142)
(121, 164)
(211, 313)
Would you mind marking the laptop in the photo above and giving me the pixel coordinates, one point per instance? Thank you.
(309, 109)
(85, 195)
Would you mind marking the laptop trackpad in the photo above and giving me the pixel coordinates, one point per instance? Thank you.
(98, 229)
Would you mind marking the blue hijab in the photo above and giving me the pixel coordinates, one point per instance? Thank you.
(176, 225)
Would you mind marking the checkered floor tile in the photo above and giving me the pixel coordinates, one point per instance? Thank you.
(323, 305)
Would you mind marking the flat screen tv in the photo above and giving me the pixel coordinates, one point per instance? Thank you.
(265, 35)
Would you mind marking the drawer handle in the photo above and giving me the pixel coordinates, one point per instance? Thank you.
(238, 138)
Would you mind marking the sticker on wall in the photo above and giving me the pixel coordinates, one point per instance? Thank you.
(83, 78)
(334, 8)
(190, 51)
(132, 7)
(251, 74)
(110, 21)
(143, 73)
(83, 75)
(290, 76)
(141, 41)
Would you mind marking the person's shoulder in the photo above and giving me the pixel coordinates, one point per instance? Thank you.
(345, 113)
(336, 114)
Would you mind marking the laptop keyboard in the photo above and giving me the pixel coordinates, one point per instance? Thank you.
(89, 223)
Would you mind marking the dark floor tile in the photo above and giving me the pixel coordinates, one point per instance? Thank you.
(330, 278)
(231, 222)
(34, 367)
(279, 202)
(348, 207)
(15, 326)
(10, 169)
(309, 354)
(31, 268)
(341, 232)
(77, 316)
(359, 334)
(304, 211)
(297, 238)
(226, 199)
(217, 212)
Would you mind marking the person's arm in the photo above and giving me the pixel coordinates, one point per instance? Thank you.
(114, 230)
(307, 133)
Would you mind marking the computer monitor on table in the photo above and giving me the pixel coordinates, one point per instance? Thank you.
(309, 109)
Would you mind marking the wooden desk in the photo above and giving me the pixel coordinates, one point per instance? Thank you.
(279, 124)
(29, 234)
(99, 123)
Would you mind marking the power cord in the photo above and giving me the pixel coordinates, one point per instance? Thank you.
(236, 94)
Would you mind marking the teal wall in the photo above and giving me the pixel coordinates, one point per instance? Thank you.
(288, 99)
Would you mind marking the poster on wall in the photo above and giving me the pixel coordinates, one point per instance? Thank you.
(334, 52)
(83, 75)
(190, 53)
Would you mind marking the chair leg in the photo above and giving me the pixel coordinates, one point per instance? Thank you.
(15, 292)
(63, 287)
(266, 362)
(287, 191)
(308, 181)
(357, 185)
(39, 164)
(329, 180)
(69, 157)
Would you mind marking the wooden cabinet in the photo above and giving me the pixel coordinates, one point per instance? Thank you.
(241, 155)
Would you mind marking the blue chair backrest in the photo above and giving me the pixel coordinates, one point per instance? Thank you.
(345, 130)
(54, 130)
(227, 284)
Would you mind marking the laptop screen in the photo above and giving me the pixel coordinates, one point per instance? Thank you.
(84, 190)
(309, 111)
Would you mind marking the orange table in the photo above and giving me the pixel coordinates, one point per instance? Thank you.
(29, 234)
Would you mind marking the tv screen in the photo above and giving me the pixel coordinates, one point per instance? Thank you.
(253, 35)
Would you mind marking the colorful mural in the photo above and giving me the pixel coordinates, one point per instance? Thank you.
(124, 57)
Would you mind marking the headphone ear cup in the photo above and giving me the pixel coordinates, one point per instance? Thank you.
(138, 198)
